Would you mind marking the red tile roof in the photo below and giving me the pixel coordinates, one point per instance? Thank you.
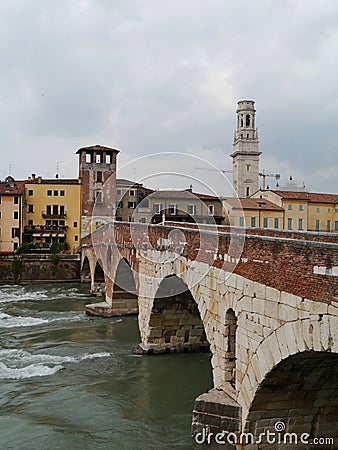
(187, 194)
(312, 197)
(12, 187)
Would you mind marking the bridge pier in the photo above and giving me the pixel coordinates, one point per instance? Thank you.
(214, 412)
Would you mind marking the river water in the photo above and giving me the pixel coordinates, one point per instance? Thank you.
(68, 381)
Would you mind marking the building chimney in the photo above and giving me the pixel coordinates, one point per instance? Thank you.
(33, 176)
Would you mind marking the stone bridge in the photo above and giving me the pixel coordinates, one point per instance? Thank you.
(265, 303)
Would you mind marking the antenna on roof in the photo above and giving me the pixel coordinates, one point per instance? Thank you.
(57, 169)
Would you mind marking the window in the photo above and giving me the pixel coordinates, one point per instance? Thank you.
(55, 210)
(88, 158)
(241, 221)
(76, 237)
(48, 210)
(191, 209)
(0, 201)
(49, 193)
(119, 204)
(247, 120)
(62, 210)
(248, 167)
(16, 215)
(30, 192)
(301, 207)
(328, 225)
(75, 224)
(211, 210)
(15, 246)
(328, 209)
(317, 209)
(247, 191)
(99, 177)
(317, 225)
(276, 222)
(143, 220)
(118, 192)
(290, 206)
(108, 159)
(131, 219)
(157, 208)
(131, 205)
(265, 222)
(62, 193)
(335, 210)
(15, 233)
(132, 193)
(300, 224)
(61, 223)
(289, 223)
(16, 200)
(30, 223)
(172, 209)
(56, 193)
(98, 158)
(98, 198)
(48, 222)
(144, 203)
(30, 208)
(336, 225)
(253, 222)
(0, 215)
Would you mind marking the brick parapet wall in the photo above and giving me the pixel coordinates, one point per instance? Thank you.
(303, 267)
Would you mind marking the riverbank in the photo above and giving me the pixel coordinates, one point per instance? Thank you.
(28, 268)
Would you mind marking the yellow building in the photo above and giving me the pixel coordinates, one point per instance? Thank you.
(305, 211)
(12, 214)
(53, 215)
(254, 213)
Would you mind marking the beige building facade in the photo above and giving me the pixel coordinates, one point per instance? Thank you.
(305, 211)
(53, 214)
(12, 214)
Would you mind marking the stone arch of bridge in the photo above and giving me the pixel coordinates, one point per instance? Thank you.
(85, 270)
(175, 323)
(311, 339)
(98, 279)
(122, 293)
(301, 392)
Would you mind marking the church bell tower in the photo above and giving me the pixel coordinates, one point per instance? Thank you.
(246, 153)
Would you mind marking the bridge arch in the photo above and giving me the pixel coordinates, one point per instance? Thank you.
(124, 296)
(308, 338)
(301, 391)
(85, 271)
(98, 279)
(175, 324)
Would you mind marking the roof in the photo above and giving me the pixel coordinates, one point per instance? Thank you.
(252, 203)
(125, 182)
(12, 187)
(56, 181)
(312, 197)
(185, 194)
(97, 147)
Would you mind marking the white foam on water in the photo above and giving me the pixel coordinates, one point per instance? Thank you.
(33, 370)
(7, 321)
(20, 359)
(17, 296)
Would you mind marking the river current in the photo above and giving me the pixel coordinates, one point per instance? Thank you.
(72, 382)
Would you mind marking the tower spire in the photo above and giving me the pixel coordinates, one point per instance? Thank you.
(246, 152)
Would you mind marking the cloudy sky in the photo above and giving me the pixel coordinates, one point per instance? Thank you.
(152, 76)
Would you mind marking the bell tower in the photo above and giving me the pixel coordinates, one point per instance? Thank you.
(97, 171)
(246, 153)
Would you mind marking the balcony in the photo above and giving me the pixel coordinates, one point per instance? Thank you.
(45, 229)
(54, 216)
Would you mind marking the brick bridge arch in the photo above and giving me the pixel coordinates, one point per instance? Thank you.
(274, 311)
